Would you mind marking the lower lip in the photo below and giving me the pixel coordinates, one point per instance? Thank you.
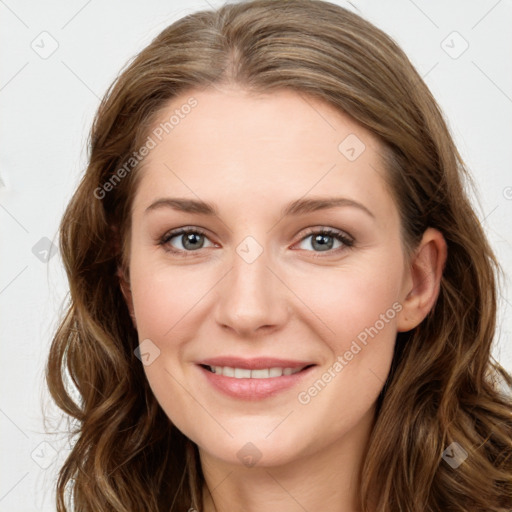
(254, 389)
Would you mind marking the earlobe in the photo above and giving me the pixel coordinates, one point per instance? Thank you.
(124, 284)
(425, 273)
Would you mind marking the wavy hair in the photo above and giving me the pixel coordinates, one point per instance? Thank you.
(444, 385)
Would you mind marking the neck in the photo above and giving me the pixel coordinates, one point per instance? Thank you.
(327, 480)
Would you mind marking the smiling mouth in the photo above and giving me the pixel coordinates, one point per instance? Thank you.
(261, 373)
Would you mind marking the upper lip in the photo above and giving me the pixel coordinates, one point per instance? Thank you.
(256, 363)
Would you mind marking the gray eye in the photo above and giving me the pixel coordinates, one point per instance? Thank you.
(320, 242)
(187, 240)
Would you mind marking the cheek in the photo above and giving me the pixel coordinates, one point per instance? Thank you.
(164, 300)
(358, 308)
(164, 297)
(361, 315)
(349, 300)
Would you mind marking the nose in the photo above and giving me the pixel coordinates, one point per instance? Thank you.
(252, 298)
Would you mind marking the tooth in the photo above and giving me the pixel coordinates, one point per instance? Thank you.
(260, 374)
(275, 372)
(242, 373)
(227, 371)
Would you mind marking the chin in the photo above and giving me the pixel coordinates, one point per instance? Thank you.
(252, 446)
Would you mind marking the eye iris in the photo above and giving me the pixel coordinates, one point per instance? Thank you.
(321, 239)
(191, 238)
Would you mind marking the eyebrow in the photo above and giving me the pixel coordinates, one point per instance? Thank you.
(297, 207)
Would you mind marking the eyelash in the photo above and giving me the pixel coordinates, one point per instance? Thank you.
(347, 241)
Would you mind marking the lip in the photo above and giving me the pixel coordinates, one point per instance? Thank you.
(254, 389)
(256, 363)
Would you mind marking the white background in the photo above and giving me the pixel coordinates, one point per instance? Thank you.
(47, 106)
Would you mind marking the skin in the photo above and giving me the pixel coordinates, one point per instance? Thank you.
(251, 155)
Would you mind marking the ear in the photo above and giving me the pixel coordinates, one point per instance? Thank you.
(124, 284)
(423, 282)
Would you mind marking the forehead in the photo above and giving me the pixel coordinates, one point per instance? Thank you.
(285, 143)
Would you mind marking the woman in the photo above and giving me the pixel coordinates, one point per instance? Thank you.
(281, 298)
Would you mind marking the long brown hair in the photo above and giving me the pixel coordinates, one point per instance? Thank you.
(444, 386)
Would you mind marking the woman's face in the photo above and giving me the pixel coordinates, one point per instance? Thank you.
(254, 291)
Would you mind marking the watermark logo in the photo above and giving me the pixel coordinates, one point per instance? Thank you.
(249, 455)
(44, 454)
(44, 250)
(45, 45)
(147, 352)
(454, 45)
(455, 455)
(249, 249)
(351, 147)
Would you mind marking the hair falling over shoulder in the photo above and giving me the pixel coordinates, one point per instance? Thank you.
(444, 386)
